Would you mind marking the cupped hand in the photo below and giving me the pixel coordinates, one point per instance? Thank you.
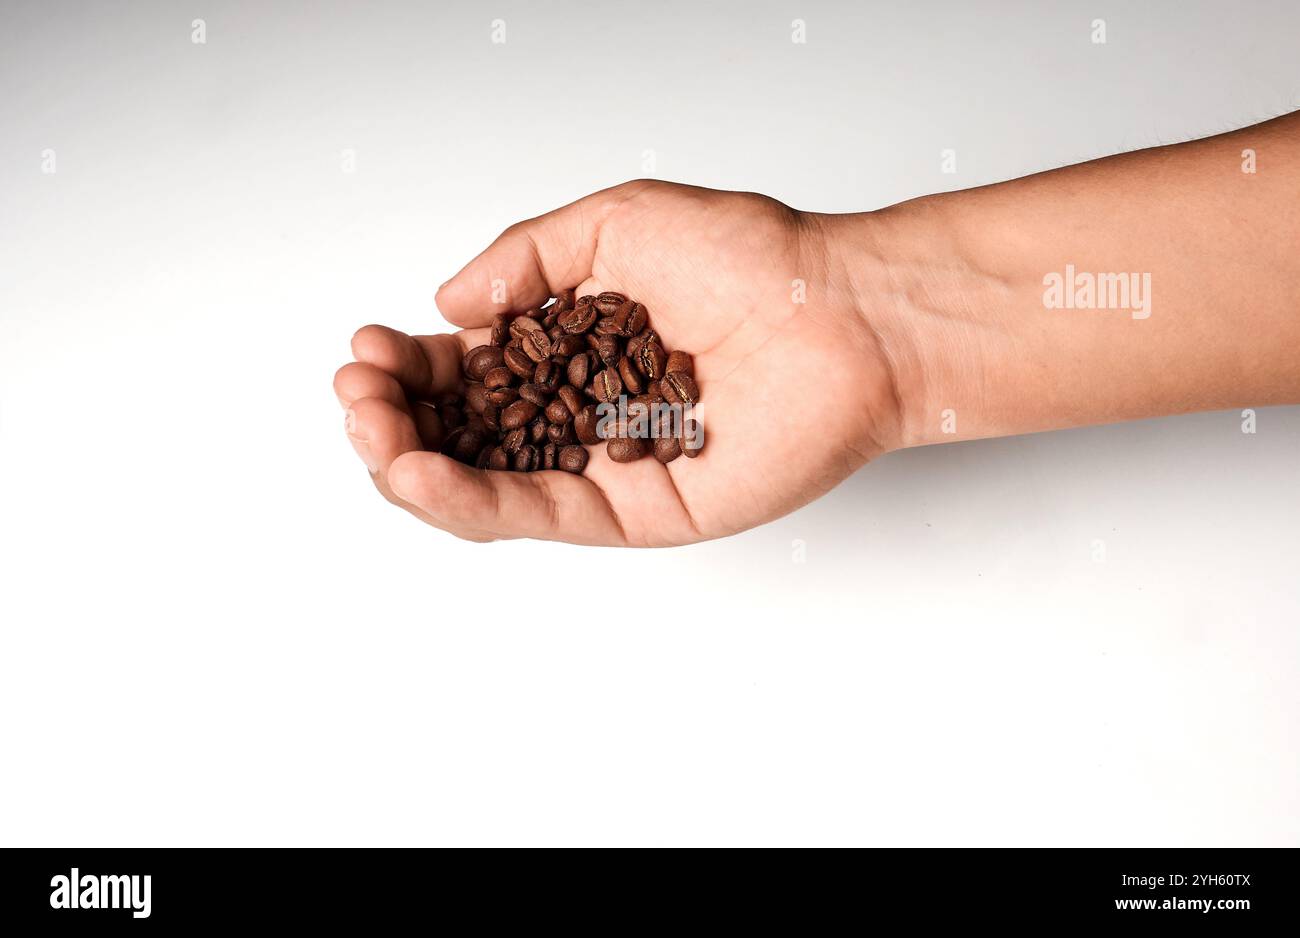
(795, 392)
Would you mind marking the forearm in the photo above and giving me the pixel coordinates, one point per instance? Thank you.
(1151, 283)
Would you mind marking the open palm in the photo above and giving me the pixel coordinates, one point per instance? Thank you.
(795, 394)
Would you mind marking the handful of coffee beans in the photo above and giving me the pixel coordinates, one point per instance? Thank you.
(579, 372)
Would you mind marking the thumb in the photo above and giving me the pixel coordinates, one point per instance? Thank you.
(531, 261)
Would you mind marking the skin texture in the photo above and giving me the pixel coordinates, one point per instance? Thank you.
(822, 341)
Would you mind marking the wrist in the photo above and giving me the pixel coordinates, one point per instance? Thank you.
(901, 274)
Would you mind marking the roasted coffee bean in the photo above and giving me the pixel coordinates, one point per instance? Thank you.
(518, 413)
(631, 377)
(534, 394)
(629, 319)
(521, 326)
(608, 326)
(692, 440)
(555, 334)
(607, 386)
(649, 357)
(498, 377)
(547, 374)
(480, 360)
(499, 459)
(483, 456)
(558, 412)
(527, 459)
(537, 345)
(537, 430)
(428, 424)
(452, 416)
(550, 452)
(584, 425)
(609, 301)
(573, 459)
(681, 363)
(503, 396)
(679, 388)
(585, 298)
(667, 449)
(578, 320)
(500, 330)
(452, 441)
(626, 448)
(564, 300)
(517, 360)
(491, 417)
(607, 349)
(579, 370)
(514, 439)
(568, 346)
(476, 397)
(549, 320)
(561, 433)
(571, 397)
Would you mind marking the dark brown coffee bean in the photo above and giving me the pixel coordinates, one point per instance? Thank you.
(483, 456)
(585, 298)
(667, 449)
(480, 360)
(476, 397)
(629, 319)
(631, 377)
(564, 300)
(469, 441)
(517, 360)
(547, 374)
(578, 320)
(521, 326)
(452, 415)
(514, 439)
(584, 425)
(692, 441)
(608, 326)
(428, 425)
(650, 358)
(607, 386)
(557, 412)
(534, 394)
(499, 459)
(579, 370)
(573, 459)
(527, 459)
(518, 413)
(491, 417)
(568, 346)
(498, 377)
(537, 430)
(503, 396)
(500, 330)
(609, 301)
(681, 363)
(626, 448)
(550, 453)
(571, 398)
(561, 434)
(452, 441)
(537, 345)
(679, 388)
(608, 350)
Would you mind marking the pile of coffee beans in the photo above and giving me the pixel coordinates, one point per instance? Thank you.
(579, 372)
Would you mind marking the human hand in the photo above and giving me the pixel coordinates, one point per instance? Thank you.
(795, 392)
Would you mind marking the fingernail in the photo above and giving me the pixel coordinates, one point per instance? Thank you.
(362, 446)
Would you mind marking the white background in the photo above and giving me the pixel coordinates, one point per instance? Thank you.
(215, 632)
